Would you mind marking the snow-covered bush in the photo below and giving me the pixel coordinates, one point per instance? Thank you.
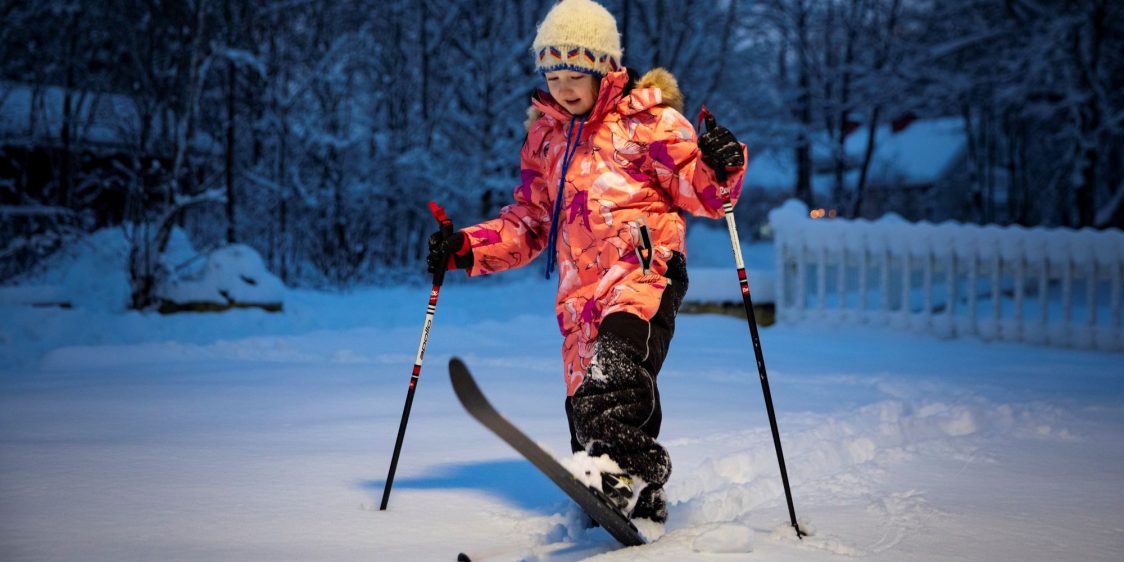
(233, 276)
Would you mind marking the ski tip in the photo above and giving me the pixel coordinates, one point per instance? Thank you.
(463, 386)
(458, 373)
(455, 363)
(462, 557)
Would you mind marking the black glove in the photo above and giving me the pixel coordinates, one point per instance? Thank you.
(720, 149)
(448, 250)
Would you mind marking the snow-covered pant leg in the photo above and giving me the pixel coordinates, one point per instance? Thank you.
(616, 411)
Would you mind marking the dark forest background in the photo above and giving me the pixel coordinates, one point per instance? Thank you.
(316, 131)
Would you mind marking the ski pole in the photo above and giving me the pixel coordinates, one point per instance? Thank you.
(438, 279)
(728, 209)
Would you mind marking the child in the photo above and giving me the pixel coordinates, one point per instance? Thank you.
(609, 162)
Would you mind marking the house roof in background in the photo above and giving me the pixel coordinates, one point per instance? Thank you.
(921, 153)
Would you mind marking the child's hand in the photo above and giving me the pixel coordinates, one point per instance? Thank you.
(448, 250)
(720, 149)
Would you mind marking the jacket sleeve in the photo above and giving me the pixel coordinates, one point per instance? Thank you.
(520, 232)
(679, 167)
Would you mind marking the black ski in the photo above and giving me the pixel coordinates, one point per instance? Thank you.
(478, 406)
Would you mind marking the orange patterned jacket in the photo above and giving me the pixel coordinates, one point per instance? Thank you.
(636, 162)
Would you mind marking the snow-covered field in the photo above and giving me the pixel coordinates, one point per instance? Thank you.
(256, 436)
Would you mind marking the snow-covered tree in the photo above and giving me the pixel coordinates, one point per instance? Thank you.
(1039, 85)
(325, 127)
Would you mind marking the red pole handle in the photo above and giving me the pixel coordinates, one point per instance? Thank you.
(439, 214)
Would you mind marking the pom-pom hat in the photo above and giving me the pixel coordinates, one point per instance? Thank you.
(578, 35)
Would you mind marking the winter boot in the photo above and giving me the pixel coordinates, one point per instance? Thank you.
(605, 478)
(618, 489)
(651, 505)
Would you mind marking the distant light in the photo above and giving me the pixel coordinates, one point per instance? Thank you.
(821, 213)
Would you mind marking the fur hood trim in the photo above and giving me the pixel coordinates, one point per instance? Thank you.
(669, 87)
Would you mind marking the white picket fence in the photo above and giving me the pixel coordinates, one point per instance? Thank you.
(1041, 286)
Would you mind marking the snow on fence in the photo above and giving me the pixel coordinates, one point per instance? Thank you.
(1041, 286)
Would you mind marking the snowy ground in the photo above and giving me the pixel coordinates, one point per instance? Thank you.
(256, 436)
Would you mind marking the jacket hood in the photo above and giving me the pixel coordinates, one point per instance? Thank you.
(618, 91)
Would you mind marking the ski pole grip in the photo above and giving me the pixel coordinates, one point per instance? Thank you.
(447, 228)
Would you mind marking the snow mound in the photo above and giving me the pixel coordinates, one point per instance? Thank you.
(89, 274)
(233, 275)
(92, 275)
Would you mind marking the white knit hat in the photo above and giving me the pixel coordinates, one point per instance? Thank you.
(578, 35)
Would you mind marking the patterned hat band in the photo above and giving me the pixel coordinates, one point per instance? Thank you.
(580, 59)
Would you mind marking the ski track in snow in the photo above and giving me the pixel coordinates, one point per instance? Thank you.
(837, 460)
(258, 441)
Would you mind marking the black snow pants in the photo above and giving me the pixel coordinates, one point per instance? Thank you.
(616, 410)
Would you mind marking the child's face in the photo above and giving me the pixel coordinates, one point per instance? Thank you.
(576, 91)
